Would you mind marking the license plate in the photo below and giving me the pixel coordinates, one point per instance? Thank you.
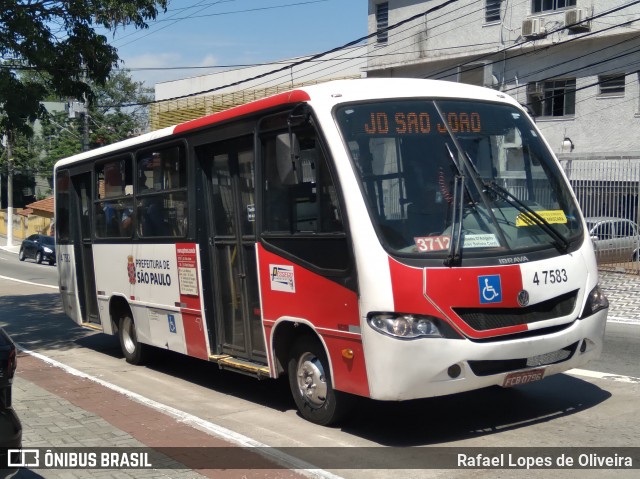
(523, 377)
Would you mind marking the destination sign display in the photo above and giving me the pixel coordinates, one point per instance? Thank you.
(420, 122)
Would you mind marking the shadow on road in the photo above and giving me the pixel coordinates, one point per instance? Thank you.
(475, 413)
(37, 322)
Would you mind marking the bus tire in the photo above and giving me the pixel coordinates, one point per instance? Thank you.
(311, 384)
(134, 351)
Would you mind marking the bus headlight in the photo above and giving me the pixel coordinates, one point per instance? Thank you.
(596, 301)
(404, 326)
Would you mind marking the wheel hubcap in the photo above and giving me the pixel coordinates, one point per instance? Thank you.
(128, 335)
(311, 380)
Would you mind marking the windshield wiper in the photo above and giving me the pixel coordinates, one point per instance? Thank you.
(560, 242)
(466, 164)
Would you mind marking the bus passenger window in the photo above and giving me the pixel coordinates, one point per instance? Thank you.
(113, 213)
(162, 169)
(161, 196)
(62, 206)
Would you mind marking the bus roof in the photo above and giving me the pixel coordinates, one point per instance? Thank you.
(329, 94)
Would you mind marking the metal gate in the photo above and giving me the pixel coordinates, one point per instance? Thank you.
(608, 191)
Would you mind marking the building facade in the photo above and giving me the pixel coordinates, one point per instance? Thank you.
(188, 98)
(573, 62)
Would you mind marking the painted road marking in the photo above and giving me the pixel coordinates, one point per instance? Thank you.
(29, 282)
(608, 376)
(233, 437)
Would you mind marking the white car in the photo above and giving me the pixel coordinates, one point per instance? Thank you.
(615, 240)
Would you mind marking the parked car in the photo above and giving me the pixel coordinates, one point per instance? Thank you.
(10, 427)
(39, 247)
(615, 240)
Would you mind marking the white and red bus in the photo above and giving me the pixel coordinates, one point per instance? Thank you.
(385, 238)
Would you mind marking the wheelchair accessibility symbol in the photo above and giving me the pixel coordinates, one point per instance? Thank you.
(490, 289)
(172, 323)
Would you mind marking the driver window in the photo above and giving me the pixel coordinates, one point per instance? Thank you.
(299, 194)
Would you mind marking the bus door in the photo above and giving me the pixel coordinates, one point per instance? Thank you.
(81, 214)
(232, 238)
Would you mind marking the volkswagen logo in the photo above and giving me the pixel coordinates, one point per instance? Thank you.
(523, 298)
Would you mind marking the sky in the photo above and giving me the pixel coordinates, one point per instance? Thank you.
(199, 33)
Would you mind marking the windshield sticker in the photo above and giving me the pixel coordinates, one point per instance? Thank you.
(490, 289)
(551, 216)
(282, 278)
(480, 241)
(432, 243)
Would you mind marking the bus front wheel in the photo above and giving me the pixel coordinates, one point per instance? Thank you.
(134, 351)
(311, 384)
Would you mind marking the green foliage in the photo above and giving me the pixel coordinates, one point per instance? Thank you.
(61, 136)
(23, 150)
(58, 40)
(108, 122)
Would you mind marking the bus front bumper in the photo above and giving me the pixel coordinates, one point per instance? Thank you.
(428, 367)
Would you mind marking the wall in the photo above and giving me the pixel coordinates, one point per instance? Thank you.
(24, 226)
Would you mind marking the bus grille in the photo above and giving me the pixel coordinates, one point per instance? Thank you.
(487, 368)
(483, 319)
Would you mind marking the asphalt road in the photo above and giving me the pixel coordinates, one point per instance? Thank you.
(597, 408)
(27, 270)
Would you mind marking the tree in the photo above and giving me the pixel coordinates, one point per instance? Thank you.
(61, 136)
(58, 40)
(108, 121)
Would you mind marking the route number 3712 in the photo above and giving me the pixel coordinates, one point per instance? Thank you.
(551, 276)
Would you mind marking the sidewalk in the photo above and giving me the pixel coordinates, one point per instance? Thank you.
(623, 292)
(60, 410)
(14, 248)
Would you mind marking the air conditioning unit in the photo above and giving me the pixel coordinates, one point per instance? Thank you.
(574, 20)
(533, 28)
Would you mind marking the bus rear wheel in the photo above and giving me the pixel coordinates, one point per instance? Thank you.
(134, 351)
(311, 384)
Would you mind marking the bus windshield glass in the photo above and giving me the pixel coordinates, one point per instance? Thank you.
(470, 178)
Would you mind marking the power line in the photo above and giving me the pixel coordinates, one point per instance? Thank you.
(200, 15)
(173, 21)
(583, 67)
(302, 62)
(535, 52)
(488, 55)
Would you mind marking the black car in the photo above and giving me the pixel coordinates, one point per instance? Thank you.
(10, 427)
(39, 247)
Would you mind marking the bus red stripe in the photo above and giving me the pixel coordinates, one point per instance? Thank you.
(294, 96)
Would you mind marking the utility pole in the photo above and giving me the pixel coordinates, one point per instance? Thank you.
(9, 191)
(85, 117)
(85, 126)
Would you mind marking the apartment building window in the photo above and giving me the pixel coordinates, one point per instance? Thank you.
(382, 22)
(553, 98)
(549, 5)
(492, 10)
(612, 85)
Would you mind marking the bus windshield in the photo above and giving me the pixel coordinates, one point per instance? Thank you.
(445, 178)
